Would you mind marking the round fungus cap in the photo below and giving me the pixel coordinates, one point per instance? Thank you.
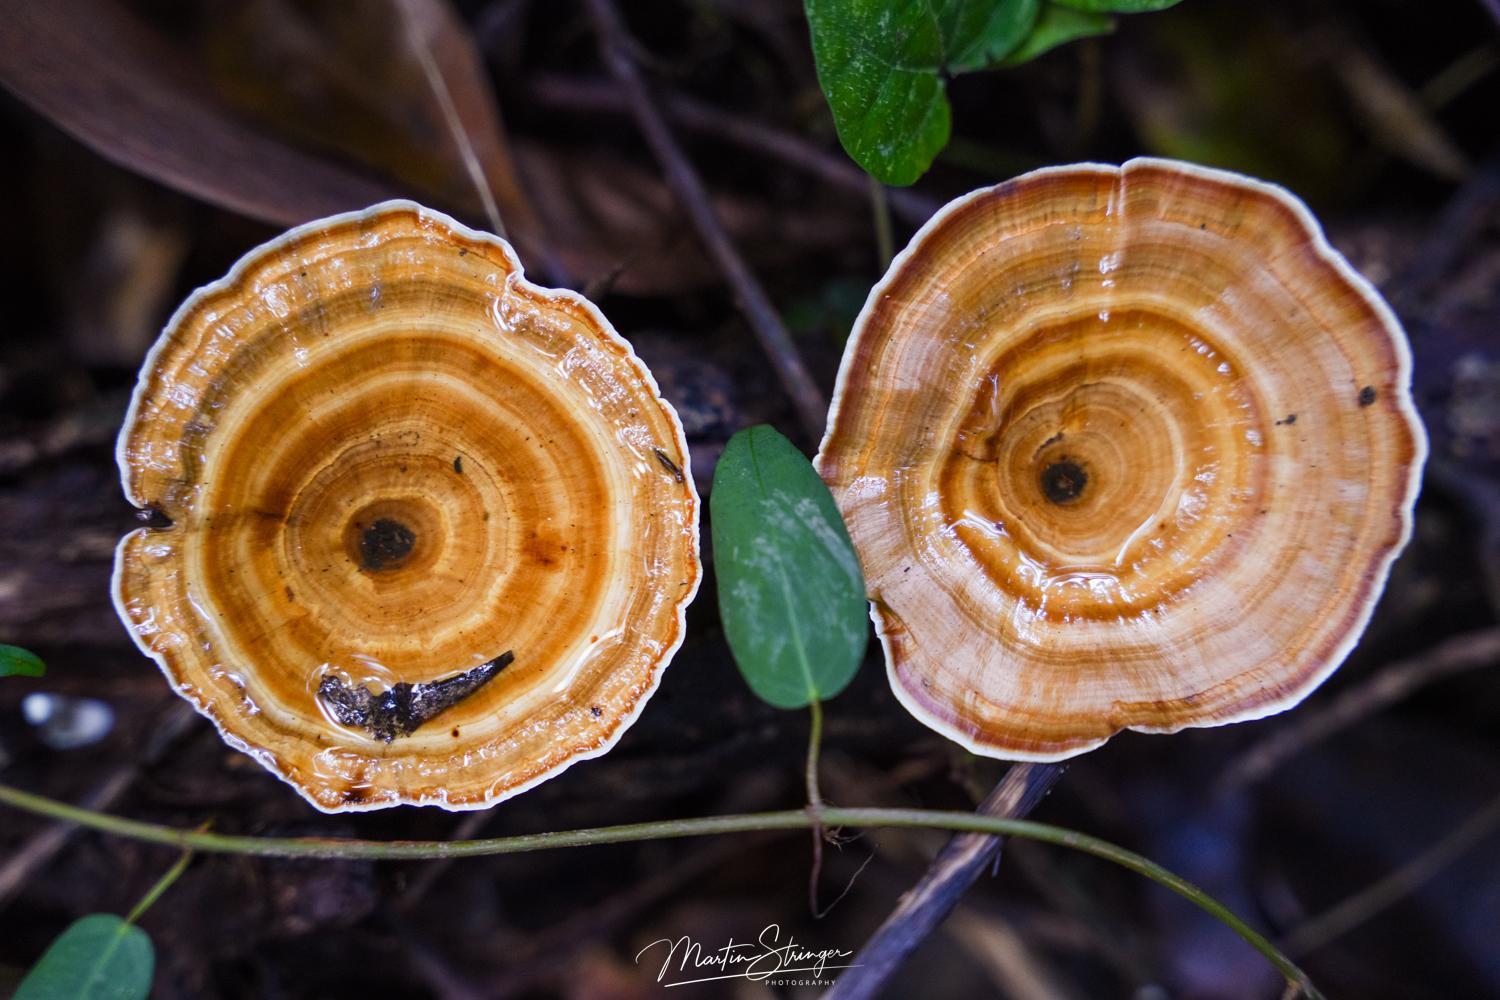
(1120, 447)
(432, 528)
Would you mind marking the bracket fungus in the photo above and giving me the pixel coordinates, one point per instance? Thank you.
(1120, 447)
(422, 543)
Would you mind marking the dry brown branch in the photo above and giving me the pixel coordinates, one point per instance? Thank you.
(1384, 893)
(952, 872)
(615, 48)
(1395, 682)
(568, 93)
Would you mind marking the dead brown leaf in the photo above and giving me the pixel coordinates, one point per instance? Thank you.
(396, 84)
(111, 82)
(281, 111)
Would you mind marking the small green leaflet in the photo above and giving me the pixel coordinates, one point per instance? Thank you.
(979, 32)
(18, 662)
(878, 67)
(881, 64)
(99, 957)
(1059, 25)
(791, 594)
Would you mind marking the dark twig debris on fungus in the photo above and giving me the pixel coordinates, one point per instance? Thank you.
(401, 709)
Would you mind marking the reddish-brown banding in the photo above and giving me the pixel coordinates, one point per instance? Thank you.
(1120, 447)
(389, 461)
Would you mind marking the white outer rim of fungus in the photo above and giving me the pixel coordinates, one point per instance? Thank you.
(236, 272)
(1405, 407)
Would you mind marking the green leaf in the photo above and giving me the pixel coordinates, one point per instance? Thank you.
(18, 662)
(878, 66)
(1056, 26)
(882, 64)
(99, 957)
(791, 594)
(977, 33)
(1118, 6)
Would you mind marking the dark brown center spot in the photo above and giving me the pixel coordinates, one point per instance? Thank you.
(384, 544)
(1063, 481)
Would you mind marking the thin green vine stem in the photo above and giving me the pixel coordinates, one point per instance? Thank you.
(162, 885)
(790, 819)
(814, 744)
(814, 804)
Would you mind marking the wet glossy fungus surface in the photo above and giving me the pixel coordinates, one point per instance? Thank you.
(391, 464)
(1061, 442)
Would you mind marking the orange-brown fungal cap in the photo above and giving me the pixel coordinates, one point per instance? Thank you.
(1120, 447)
(432, 528)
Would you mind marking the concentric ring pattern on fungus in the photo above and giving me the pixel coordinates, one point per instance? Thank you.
(433, 529)
(1120, 447)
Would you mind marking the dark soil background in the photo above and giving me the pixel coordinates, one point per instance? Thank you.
(1384, 786)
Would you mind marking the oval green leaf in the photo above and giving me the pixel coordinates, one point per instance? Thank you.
(881, 64)
(18, 662)
(791, 594)
(99, 957)
(878, 66)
